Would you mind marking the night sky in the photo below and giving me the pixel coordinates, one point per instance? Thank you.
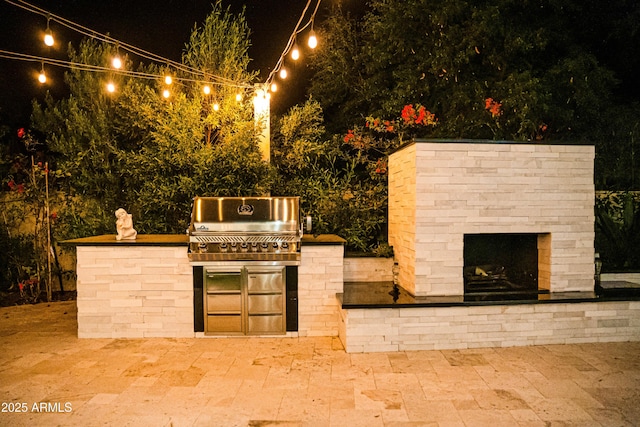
(158, 26)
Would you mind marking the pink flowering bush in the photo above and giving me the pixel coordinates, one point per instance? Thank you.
(32, 192)
(343, 182)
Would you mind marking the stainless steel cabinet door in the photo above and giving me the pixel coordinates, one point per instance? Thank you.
(265, 300)
(224, 301)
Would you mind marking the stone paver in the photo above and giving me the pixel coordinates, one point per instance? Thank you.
(58, 379)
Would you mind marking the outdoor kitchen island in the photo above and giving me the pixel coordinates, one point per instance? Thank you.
(144, 287)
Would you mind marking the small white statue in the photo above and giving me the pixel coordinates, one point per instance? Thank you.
(124, 226)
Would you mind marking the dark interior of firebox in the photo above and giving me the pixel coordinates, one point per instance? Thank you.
(500, 263)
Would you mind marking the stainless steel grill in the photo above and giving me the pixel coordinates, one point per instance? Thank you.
(245, 252)
(245, 229)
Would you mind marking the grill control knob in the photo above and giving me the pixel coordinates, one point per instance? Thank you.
(223, 247)
(243, 247)
(275, 246)
(254, 247)
(202, 247)
(234, 247)
(264, 247)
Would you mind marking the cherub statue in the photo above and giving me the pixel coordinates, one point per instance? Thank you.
(124, 226)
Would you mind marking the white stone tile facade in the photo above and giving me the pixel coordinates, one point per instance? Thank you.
(438, 328)
(627, 277)
(147, 291)
(440, 191)
(320, 278)
(366, 269)
(134, 292)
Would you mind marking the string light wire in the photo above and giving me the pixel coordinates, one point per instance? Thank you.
(127, 47)
(292, 39)
(204, 77)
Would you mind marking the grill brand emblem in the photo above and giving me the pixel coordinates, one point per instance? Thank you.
(245, 210)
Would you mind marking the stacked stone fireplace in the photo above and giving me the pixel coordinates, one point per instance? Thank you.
(533, 202)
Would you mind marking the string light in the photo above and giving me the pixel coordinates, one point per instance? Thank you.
(42, 77)
(202, 75)
(206, 89)
(295, 52)
(48, 35)
(216, 106)
(111, 87)
(292, 46)
(313, 40)
(116, 63)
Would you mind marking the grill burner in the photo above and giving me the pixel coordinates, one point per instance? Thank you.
(245, 229)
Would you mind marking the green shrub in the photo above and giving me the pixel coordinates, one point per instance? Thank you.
(618, 230)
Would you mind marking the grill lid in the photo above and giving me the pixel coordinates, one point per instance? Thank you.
(245, 215)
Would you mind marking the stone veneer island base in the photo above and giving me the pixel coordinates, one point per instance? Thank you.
(143, 288)
(374, 318)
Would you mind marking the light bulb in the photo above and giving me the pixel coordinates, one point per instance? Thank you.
(206, 89)
(283, 73)
(166, 93)
(116, 62)
(111, 87)
(48, 38)
(216, 106)
(168, 80)
(42, 77)
(48, 35)
(238, 97)
(295, 53)
(274, 87)
(313, 40)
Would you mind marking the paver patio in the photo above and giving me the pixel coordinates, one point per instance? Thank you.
(300, 381)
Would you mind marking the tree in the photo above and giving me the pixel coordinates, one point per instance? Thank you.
(335, 182)
(150, 155)
(342, 180)
(530, 58)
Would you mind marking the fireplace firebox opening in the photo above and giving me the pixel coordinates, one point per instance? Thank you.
(506, 263)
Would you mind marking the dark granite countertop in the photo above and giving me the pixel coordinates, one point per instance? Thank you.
(322, 239)
(384, 295)
(495, 141)
(180, 240)
(141, 240)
